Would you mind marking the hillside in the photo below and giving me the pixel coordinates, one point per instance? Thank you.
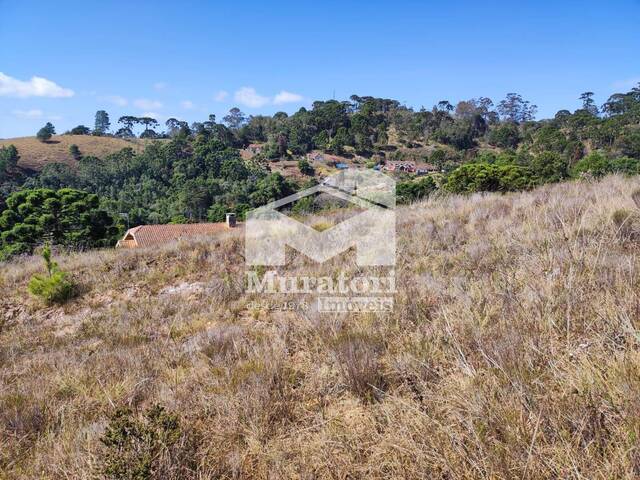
(34, 154)
(512, 352)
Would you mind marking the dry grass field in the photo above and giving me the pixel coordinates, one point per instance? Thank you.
(512, 352)
(35, 154)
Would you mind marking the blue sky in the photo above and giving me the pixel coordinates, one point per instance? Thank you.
(188, 59)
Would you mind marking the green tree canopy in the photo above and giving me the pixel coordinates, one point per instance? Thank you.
(68, 217)
(46, 132)
(102, 123)
(485, 177)
(8, 160)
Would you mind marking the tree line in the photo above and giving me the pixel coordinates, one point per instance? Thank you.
(198, 174)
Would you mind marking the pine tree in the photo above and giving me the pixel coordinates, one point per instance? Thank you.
(102, 123)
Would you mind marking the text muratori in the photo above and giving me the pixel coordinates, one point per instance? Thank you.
(272, 282)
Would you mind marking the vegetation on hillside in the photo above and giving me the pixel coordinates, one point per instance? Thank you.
(68, 217)
(512, 352)
(198, 173)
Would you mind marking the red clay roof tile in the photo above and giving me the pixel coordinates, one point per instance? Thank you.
(147, 235)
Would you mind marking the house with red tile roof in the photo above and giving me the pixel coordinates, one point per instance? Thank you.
(409, 166)
(400, 166)
(154, 235)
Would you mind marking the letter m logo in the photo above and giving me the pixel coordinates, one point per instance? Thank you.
(371, 232)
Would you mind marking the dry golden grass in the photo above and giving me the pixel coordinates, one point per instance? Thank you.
(35, 154)
(512, 352)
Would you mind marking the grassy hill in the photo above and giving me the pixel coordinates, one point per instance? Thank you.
(512, 352)
(34, 154)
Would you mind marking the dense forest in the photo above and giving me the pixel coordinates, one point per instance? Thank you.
(197, 173)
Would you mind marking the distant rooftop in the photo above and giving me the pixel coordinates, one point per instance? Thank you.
(150, 235)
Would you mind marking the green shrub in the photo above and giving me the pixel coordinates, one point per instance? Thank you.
(217, 213)
(438, 157)
(595, 163)
(303, 206)
(506, 135)
(484, 177)
(458, 135)
(550, 167)
(411, 191)
(629, 144)
(55, 287)
(550, 139)
(305, 168)
(625, 165)
(140, 449)
(80, 130)
(74, 151)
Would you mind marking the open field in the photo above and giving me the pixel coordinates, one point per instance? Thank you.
(34, 154)
(512, 352)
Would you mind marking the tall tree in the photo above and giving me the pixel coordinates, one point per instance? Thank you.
(8, 160)
(515, 109)
(444, 106)
(127, 122)
(235, 119)
(588, 103)
(482, 106)
(46, 132)
(149, 125)
(210, 123)
(173, 126)
(102, 123)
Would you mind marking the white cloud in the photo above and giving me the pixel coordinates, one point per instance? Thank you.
(186, 104)
(146, 104)
(628, 83)
(154, 115)
(220, 96)
(160, 86)
(116, 100)
(33, 113)
(286, 97)
(248, 97)
(36, 87)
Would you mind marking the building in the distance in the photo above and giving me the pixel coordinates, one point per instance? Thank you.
(409, 166)
(154, 235)
(400, 166)
(255, 148)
